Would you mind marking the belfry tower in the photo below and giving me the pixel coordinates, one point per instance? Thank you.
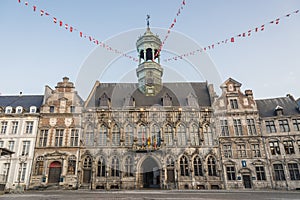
(149, 71)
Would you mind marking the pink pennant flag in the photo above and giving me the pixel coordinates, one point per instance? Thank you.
(47, 14)
(19, 1)
(232, 39)
(183, 2)
(90, 38)
(174, 20)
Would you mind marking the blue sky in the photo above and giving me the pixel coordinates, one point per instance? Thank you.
(35, 52)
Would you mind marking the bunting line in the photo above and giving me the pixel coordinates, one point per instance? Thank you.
(233, 38)
(81, 34)
(171, 27)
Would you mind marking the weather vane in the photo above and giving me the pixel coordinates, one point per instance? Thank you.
(148, 17)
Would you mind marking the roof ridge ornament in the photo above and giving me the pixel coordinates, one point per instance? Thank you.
(148, 23)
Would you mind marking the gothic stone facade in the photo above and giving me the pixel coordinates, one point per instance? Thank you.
(165, 141)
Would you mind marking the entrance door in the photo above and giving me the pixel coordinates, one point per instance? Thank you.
(247, 181)
(54, 172)
(151, 173)
(86, 176)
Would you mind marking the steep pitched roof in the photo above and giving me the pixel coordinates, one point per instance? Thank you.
(178, 92)
(267, 107)
(22, 100)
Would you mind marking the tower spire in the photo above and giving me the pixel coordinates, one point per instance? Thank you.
(148, 23)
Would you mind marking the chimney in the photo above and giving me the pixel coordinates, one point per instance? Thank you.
(249, 93)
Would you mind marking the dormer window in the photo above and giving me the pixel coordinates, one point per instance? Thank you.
(234, 104)
(51, 109)
(19, 110)
(279, 110)
(32, 109)
(104, 100)
(8, 110)
(72, 109)
(167, 100)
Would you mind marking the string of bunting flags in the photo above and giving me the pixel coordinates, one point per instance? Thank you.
(81, 34)
(171, 27)
(231, 39)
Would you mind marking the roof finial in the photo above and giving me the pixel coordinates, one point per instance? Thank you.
(148, 17)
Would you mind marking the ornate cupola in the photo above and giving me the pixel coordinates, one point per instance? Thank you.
(149, 71)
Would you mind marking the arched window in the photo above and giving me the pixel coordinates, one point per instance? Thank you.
(115, 167)
(181, 135)
(39, 165)
(102, 135)
(184, 166)
(170, 162)
(128, 166)
(155, 136)
(195, 137)
(142, 133)
(149, 55)
(208, 139)
(115, 136)
(198, 166)
(128, 135)
(211, 166)
(168, 135)
(71, 165)
(101, 167)
(87, 163)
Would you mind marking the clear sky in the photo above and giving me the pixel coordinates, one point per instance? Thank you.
(35, 52)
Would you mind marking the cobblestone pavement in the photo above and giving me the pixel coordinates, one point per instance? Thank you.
(153, 195)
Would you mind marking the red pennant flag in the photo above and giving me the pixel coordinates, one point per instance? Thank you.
(172, 25)
(183, 2)
(47, 13)
(71, 28)
(60, 23)
(174, 20)
(80, 34)
(262, 27)
(256, 29)
(232, 39)
(90, 38)
(244, 34)
(54, 20)
(34, 8)
(19, 1)
(66, 26)
(277, 21)
(26, 3)
(204, 48)
(42, 12)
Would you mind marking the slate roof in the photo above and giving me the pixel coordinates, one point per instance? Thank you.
(179, 92)
(24, 100)
(266, 107)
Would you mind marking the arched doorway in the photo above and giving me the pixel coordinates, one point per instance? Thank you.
(150, 173)
(54, 172)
